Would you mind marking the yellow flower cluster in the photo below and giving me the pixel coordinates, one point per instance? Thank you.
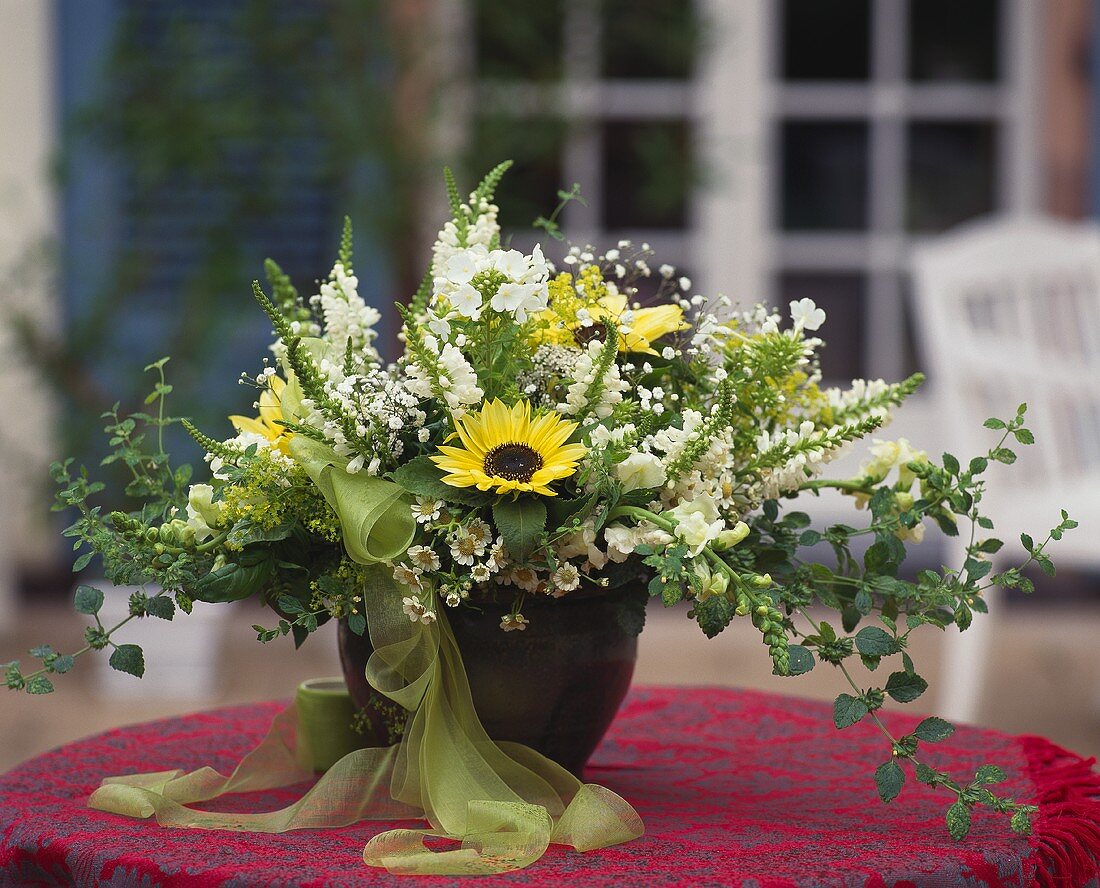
(270, 493)
(562, 324)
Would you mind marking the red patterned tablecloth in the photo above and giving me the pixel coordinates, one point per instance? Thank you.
(735, 788)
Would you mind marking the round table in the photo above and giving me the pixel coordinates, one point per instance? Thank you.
(735, 788)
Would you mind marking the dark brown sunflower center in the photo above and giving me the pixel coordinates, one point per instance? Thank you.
(515, 462)
(596, 330)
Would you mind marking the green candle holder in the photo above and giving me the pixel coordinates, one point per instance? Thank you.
(325, 716)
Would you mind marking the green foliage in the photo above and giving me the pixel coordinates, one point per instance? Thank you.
(88, 600)
(128, 658)
(848, 710)
(889, 779)
(958, 820)
(421, 477)
(905, 687)
(522, 523)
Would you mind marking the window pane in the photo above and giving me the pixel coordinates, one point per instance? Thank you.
(826, 41)
(951, 173)
(647, 175)
(529, 190)
(824, 175)
(950, 40)
(649, 39)
(513, 46)
(842, 295)
(913, 359)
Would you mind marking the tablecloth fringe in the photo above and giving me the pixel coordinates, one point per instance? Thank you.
(1066, 834)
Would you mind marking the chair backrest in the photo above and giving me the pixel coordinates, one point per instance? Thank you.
(1009, 311)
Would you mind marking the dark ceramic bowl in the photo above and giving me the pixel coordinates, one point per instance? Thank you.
(555, 686)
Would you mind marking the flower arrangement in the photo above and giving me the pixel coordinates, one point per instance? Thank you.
(549, 433)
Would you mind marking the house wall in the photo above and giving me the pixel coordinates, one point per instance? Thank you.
(26, 226)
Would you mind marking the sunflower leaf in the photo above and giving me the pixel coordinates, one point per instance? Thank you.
(521, 522)
(421, 477)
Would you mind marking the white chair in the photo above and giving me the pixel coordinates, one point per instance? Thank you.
(1008, 310)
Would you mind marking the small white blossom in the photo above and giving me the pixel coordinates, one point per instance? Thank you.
(514, 622)
(565, 579)
(424, 558)
(407, 576)
(426, 509)
(806, 315)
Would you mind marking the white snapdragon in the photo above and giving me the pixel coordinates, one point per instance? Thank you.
(482, 229)
(641, 471)
(885, 455)
(584, 374)
(582, 542)
(203, 514)
(622, 541)
(346, 316)
(697, 522)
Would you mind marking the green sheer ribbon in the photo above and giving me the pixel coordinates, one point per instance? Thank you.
(504, 803)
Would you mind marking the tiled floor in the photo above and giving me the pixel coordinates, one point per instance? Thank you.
(1047, 678)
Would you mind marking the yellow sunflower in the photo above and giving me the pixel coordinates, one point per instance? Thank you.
(267, 423)
(506, 450)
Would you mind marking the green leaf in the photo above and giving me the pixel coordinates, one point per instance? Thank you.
(39, 685)
(713, 615)
(934, 729)
(63, 663)
(1027, 542)
(978, 465)
(630, 612)
(236, 580)
(88, 600)
(847, 710)
(993, 423)
(958, 821)
(1003, 455)
(951, 464)
(128, 658)
(990, 774)
(926, 774)
(876, 642)
(1024, 436)
(884, 555)
(905, 687)
(521, 522)
(357, 623)
(802, 661)
(889, 778)
(1021, 823)
(422, 477)
(82, 562)
(161, 606)
(289, 605)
